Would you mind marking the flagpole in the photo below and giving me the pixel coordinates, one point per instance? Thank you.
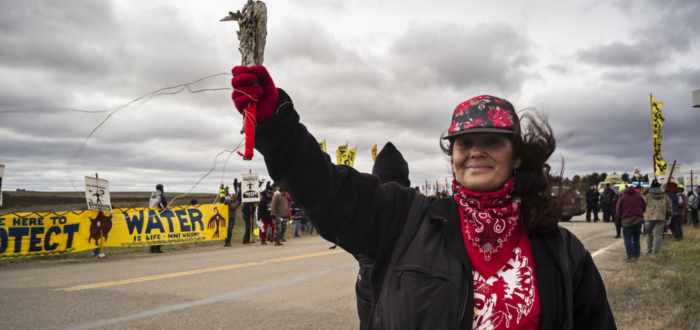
(653, 151)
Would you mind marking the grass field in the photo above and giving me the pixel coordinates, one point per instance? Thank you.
(660, 291)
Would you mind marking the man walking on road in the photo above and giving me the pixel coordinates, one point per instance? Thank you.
(592, 197)
(279, 214)
(631, 208)
(607, 200)
(658, 209)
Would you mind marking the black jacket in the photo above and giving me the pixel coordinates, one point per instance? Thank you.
(264, 208)
(592, 197)
(248, 209)
(399, 228)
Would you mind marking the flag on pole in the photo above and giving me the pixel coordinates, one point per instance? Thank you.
(323, 145)
(348, 158)
(339, 153)
(374, 153)
(657, 122)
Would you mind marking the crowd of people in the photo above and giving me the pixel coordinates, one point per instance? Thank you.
(271, 214)
(649, 212)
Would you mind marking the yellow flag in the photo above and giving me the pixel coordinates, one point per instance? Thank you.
(323, 145)
(348, 158)
(339, 153)
(374, 153)
(657, 122)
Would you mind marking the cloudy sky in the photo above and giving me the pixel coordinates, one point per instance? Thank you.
(360, 71)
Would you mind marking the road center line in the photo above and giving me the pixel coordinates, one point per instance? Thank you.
(603, 250)
(227, 296)
(191, 272)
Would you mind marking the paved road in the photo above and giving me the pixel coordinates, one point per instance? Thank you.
(301, 285)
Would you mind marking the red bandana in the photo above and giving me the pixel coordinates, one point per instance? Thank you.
(491, 226)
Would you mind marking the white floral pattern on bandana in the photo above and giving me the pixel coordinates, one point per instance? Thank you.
(506, 299)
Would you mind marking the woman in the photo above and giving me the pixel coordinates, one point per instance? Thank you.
(491, 258)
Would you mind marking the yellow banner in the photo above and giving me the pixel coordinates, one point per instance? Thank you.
(657, 122)
(339, 153)
(374, 153)
(323, 145)
(348, 158)
(42, 234)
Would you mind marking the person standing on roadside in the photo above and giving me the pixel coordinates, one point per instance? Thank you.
(390, 167)
(675, 225)
(158, 199)
(616, 216)
(222, 193)
(248, 210)
(608, 202)
(631, 208)
(694, 206)
(279, 214)
(592, 197)
(682, 205)
(233, 204)
(265, 216)
(658, 209)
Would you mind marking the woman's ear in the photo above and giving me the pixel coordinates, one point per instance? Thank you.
(517, 163)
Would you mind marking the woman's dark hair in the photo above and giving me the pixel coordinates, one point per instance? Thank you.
(533, 143)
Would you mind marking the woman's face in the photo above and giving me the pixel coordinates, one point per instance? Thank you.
(483, 162)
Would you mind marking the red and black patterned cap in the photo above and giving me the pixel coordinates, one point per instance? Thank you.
(484, 113)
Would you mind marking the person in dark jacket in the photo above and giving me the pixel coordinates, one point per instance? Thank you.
(676, 225)
(389, 166)
(163, 205)
(592, 197)
(607, 200)
(264, 208)
(631, 207)
(233, 204)
(434, 268)
(248, 210)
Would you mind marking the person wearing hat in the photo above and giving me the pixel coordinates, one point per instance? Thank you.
(682, 204)
(158, 197)
(658, 209)
(265, 216)
(607, 200)
(449, 263)
(630, 207)
(389, 166)
(592, 197)
(279, 213)
(222, 194)
(676, 225)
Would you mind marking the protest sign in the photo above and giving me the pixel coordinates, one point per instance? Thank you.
(662, 178)
(249, 188)
(97, 194)
(691, 184)
(42, 234)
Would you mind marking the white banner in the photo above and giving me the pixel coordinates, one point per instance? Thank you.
(97, 194)
(2, 171)
(662, 178)
(249, 188)
(687, 183)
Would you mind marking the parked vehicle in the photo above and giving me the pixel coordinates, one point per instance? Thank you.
(572, 204)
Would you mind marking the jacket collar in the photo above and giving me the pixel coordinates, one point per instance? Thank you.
(446, 211)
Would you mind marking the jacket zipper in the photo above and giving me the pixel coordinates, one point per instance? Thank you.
(401, 272)
(464, 306)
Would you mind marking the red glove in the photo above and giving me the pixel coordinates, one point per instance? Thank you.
(246, 91)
